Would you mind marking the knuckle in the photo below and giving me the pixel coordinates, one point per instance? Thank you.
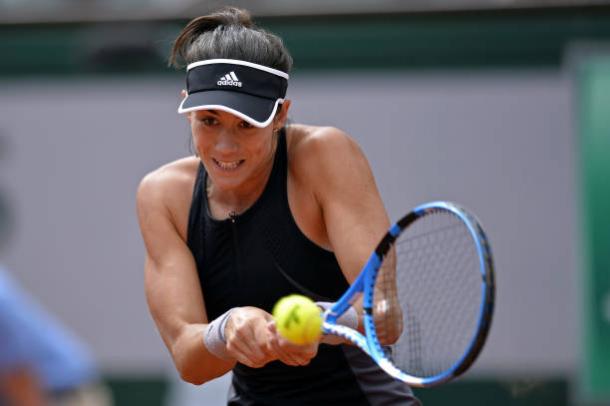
(290, 362)
(258, 358)
(258, 363)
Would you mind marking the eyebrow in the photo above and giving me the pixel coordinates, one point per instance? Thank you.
(214, 112)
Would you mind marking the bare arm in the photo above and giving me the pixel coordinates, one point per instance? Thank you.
(172, 286)
(354, 215)
(176, 302)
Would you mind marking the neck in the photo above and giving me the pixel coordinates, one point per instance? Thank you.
(224, 203)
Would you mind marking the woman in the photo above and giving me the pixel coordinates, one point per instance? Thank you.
(263, 210)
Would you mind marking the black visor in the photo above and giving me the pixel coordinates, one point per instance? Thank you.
(247, 90)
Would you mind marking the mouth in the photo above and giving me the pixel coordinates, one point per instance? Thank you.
(228, 165)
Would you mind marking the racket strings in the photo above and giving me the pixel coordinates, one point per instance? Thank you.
(387, 310)
(431, 279)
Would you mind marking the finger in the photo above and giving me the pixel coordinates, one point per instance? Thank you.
(245, 345)
(302, 355)
(241, 356)
(247, 359)
(275, 346)
(294, 353)
(287, 345)
(298, 348)
(241, 352)
(256, 341)
(281, 354)
(303, 352)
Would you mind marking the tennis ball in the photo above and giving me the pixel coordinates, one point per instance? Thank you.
(298, 319)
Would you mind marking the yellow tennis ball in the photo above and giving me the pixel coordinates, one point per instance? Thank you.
(298, 319)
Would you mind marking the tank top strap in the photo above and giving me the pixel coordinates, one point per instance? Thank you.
(195, 235)
(277, 183)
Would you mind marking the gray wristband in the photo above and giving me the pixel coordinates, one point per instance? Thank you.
(347, 319)
(214, 336)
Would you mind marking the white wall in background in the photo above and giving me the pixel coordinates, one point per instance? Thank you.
(502, 144)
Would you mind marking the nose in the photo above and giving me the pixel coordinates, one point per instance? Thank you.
(226, 142)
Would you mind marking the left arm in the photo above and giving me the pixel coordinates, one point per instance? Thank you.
(353, 212)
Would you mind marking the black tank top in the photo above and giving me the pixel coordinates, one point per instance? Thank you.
(254, 259)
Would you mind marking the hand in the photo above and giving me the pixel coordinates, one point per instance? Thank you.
(288, 353)
(248, 337)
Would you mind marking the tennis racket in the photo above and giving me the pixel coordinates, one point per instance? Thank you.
(428, 288)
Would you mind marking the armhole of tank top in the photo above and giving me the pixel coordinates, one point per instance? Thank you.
(286, 200)
(196, 205)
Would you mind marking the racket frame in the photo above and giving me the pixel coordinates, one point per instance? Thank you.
(365, 285)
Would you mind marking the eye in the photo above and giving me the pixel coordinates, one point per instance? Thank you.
(245, 124)
(208, 120)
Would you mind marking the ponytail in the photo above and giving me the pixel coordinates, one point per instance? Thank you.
(229, 33)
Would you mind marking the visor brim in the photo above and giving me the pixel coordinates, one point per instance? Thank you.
(258, 111)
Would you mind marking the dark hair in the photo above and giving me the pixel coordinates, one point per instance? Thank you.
(229, 33)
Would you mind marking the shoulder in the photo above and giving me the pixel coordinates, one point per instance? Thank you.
(168, 189)
(172, 174)
(322, 151)
(171, 177)
(313, 147)
(315, 137)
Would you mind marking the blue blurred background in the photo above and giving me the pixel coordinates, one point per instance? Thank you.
(501, 105)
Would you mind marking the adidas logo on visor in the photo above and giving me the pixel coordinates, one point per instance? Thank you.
(230, 79)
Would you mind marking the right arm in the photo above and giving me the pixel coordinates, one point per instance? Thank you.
(176, 302)
(172, 286)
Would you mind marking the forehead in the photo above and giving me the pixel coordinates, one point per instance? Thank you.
(223, 115)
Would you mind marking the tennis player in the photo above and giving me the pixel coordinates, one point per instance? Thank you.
(263, 210)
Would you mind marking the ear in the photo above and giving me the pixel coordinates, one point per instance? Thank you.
(282, 115)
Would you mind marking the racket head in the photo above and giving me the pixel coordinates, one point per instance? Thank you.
(436, 247)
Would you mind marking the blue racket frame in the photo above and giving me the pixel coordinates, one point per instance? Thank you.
(366, 281)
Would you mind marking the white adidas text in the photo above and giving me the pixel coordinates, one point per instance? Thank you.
(230, 79)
